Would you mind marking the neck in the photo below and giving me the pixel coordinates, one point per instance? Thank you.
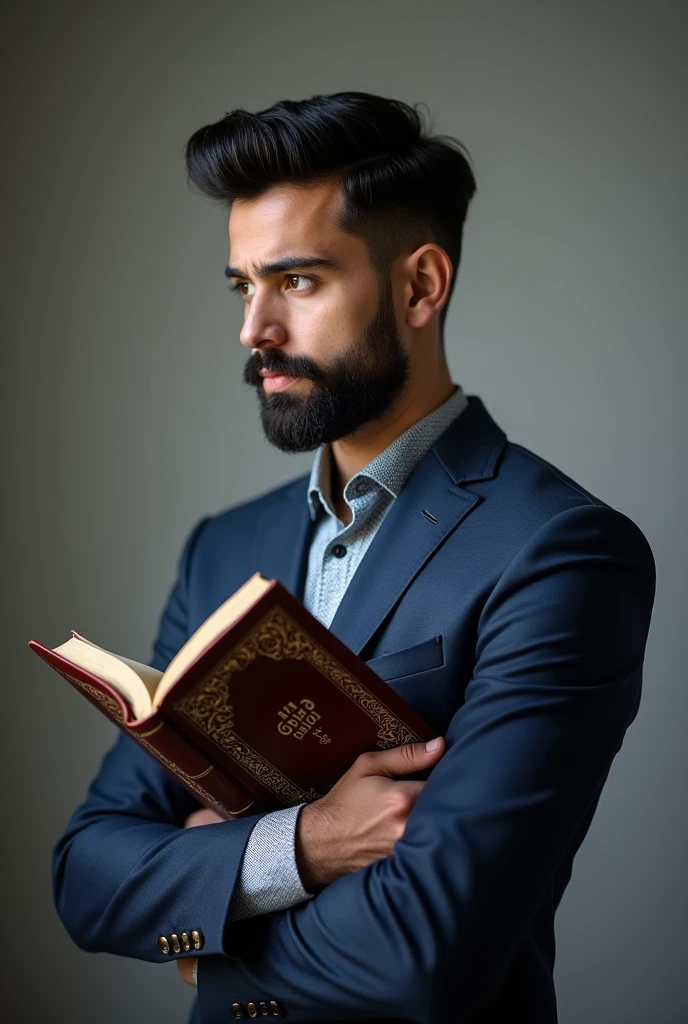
(351, 454)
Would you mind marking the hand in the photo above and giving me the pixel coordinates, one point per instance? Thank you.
(186, 965)
(362, 816)
(202, 817)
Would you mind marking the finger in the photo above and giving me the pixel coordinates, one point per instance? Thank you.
(205, 816)
(410, 789)
(403, 760)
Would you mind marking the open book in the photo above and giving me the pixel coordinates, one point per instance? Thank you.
(143, 687)
(263, 707)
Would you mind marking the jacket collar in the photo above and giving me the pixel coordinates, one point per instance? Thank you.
(469, 450)
(390, 469)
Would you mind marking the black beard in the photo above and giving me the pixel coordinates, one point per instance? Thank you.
(358, 388)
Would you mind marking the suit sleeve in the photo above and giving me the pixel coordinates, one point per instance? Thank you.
(125, 872)
(557, 681)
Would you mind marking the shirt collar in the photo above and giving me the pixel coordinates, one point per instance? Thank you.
(393, 466)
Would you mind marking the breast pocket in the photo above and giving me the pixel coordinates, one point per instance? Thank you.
(419, 658)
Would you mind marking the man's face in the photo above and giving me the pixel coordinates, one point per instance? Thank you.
(328, 355)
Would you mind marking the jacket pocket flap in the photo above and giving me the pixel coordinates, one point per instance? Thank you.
(419, 658)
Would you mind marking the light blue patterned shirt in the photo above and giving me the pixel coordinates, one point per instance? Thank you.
(269, 879)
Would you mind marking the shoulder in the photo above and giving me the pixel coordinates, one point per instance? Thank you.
(557, 512)
(523, 471)
(526, 500)
(519, 490)
(219, 532)
(246, 512)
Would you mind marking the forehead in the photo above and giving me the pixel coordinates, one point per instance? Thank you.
(289, 218)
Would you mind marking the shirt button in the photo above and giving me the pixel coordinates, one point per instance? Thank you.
(339, 550)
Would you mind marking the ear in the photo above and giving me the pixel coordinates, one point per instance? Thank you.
(429, 273)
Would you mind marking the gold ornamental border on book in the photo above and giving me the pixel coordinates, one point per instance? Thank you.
(207, 706)
(113, 709)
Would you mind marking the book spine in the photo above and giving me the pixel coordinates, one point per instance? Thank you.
(212, 786)
(208, 782)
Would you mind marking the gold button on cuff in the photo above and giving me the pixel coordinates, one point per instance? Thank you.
(276, 1011)
(263, 1007)
(197, 939)
(174, 939)
(238, 1010)
(186, 942)
(252, 1009)
(163, 944)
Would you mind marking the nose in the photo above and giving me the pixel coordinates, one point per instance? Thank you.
(260, 326)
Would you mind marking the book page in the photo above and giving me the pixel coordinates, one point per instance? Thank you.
(135, 682)
(216, 624)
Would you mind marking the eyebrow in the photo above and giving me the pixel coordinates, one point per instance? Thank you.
(291, 261)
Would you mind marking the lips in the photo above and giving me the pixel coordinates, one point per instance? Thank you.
(276, 381)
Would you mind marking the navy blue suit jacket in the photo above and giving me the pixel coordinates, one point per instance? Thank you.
(516, 625)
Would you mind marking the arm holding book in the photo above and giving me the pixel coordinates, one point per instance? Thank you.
(126, 873)
(434, 928)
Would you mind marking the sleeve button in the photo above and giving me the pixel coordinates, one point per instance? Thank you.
(238, 1010)
(163, 944)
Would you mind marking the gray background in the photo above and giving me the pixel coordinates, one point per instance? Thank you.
(126, 418)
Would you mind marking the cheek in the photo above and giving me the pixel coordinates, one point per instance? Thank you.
(329, 322)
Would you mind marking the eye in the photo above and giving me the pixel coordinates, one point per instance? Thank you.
(299, 277)
(239, 288)
(290, 279)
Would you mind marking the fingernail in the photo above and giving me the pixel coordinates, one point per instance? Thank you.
(432, 745)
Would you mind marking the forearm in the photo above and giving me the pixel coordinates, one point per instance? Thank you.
(125, 873)
(557, 682)
(437, 923)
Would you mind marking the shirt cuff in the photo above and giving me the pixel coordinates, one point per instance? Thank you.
(269, 879)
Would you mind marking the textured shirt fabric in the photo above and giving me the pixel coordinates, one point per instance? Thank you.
(269, 878)
(336, 549)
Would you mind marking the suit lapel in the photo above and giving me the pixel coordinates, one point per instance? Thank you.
(468, 450)
(399, 549)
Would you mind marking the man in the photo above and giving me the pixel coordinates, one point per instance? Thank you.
(501, 599)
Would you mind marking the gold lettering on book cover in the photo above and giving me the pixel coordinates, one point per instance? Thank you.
(277, 636)
(210, 711)
(113, 709)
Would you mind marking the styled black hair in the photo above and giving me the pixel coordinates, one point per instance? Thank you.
(401, 186)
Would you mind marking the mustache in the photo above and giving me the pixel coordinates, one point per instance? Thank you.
(277, 362)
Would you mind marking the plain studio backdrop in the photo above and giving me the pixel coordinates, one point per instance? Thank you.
(127, 419)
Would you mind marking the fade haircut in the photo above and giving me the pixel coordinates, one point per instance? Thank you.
(401, 186)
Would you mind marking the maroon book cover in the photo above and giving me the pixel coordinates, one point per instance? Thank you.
(271, 713)
(189, 765)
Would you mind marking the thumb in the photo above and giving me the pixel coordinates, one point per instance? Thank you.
(403, 760)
